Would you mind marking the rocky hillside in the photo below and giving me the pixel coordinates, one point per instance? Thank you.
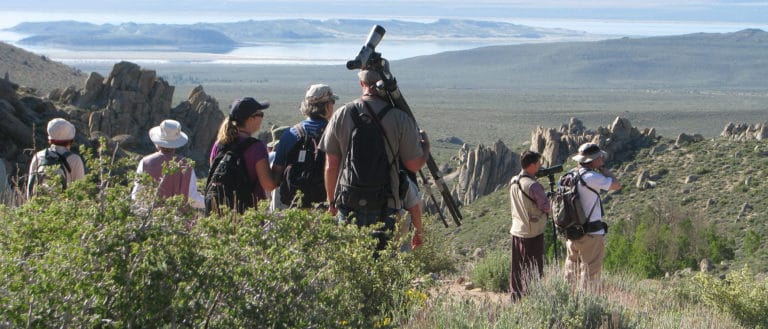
(719, 181)
(121, 107)
(24, 68)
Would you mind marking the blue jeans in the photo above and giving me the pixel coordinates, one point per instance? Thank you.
(383, 227)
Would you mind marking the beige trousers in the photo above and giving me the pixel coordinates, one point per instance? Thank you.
(584, 262)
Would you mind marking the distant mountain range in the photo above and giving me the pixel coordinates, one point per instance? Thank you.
(715, 61)
(224, 37)
(737, 60)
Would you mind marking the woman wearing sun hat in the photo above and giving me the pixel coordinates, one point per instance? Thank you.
(168, 137)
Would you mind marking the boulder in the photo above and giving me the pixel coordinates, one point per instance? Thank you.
(744, 132)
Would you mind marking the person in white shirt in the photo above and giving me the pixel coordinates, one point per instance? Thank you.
(584, 262)
(57, 157)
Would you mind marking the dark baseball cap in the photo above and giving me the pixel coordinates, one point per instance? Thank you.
(244, 107)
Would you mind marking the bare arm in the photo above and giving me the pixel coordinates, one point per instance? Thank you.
(331, 177)
(265, 175)
(415, 165)
(615, 184)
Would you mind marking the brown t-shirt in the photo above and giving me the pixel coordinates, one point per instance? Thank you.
(400, 129)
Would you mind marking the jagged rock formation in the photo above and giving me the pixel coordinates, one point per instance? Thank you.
(122, 108)
(484, 170)
(132, 100)
(621, 140)
(744, 132)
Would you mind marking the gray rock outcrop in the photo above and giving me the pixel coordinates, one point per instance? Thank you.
(621, 140)
(745, 132)
(131, 100)
(484, 170)
(122, 108)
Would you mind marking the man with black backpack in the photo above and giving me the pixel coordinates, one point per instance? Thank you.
(299, 164)
(584, 262)
(55, 161)
(363, 142)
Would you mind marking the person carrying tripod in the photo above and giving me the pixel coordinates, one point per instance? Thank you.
(363, 142)
(530, 209)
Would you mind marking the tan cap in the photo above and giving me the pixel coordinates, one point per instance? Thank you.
(319, 93)
(369, 77)
(589, 152)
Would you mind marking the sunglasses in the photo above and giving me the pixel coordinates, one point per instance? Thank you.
(258, 114)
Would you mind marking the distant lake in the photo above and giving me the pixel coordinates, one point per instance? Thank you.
(329, 52)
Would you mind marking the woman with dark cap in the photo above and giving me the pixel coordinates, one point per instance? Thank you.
(245, 120)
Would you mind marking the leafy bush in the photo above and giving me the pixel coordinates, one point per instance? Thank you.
(752, 242)
(664, 238)
(492, 272)
(84, 258)
(436, 254)
(741, 294)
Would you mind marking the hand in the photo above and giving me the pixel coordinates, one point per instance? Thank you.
(417, 241)
(332, 209)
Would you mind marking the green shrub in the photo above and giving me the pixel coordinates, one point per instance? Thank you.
(664, 238)
(492, 272)
(752, 242)
(741, 294)
(84, 258)
(437, 254)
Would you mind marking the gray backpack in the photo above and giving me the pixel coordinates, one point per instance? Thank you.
(567, 212)
(52, 164)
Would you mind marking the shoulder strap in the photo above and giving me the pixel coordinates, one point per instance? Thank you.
(300, 130)
(62, 159)
(237, 148)
(580, 179)
(517, 181)
(377, 120)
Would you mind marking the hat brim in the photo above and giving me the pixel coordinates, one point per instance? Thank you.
(589, 158)
(155, 137)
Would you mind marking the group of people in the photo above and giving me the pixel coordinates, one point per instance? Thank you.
(530, 211)
(328, 132)
(340, 142)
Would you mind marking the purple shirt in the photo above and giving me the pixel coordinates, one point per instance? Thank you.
(253, 154)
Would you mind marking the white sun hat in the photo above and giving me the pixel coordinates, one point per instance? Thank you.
(168, 134)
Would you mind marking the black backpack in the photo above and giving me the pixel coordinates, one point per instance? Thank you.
(367, 168)
(304, 172)
(567, 211)
(52, 164)
(228, 182)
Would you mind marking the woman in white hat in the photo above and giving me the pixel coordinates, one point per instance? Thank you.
(168, 137)
(57, 157)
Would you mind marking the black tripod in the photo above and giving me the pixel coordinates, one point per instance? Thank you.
(369, 59)
(552, 220)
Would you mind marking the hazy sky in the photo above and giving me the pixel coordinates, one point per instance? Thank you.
(755, 11)
(607, 17)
